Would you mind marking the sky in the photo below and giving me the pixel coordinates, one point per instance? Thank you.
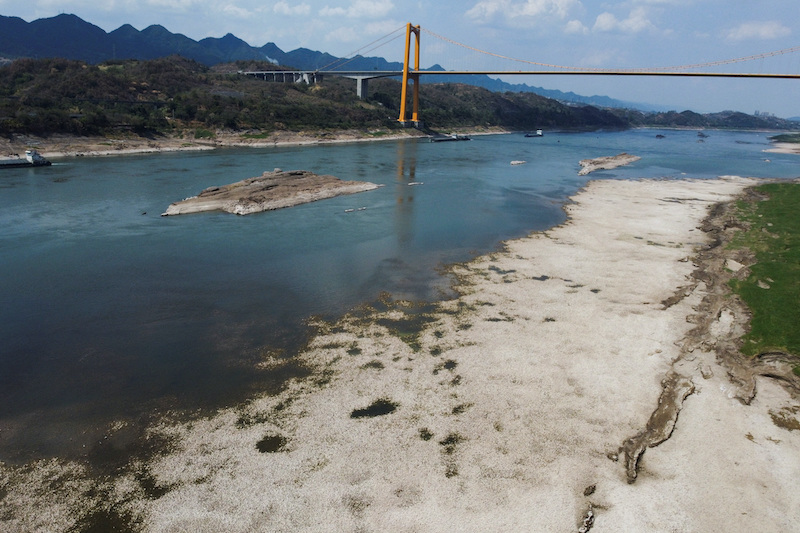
(575, 33)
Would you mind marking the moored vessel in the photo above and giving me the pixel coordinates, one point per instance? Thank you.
(32, 159)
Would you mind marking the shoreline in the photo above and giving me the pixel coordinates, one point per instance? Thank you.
(784, 148)
(509, 407)
(67, 146)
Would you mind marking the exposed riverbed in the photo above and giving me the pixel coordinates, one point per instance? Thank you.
(509, 406)
(505, 401)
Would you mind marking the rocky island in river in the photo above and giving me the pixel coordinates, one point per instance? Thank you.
(271, 190)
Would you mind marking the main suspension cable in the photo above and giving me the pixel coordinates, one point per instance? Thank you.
(650, 69)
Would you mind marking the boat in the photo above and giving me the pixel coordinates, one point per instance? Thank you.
(537, 134)
(442, 138)
(32, 159)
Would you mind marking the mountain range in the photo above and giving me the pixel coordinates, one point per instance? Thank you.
(70, 37)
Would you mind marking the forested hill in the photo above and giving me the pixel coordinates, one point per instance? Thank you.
(172, 95)
(43, 96)
(70, 37)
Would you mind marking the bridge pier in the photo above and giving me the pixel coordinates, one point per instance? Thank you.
(362, 85)
(302, 76)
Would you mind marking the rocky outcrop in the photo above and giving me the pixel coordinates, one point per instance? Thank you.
(271, 190)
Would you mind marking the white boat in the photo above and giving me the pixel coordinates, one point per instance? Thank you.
(32, 159)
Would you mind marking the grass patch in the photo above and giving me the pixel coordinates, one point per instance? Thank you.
(264, 135)
(410, 326)
(247, 420)
(445, 365)
(379, 407)
(105, 520)
(152, 489)
(450, 442)
(786, 138)
(461, 408)
(271, 443)
(772, 289)
(785, 419)
(200, 133)
(354, 349)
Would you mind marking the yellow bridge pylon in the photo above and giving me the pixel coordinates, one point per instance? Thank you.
(413, 76)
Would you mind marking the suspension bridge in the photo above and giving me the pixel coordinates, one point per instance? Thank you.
(411, 74)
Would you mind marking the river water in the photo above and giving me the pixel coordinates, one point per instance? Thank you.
(111, 312)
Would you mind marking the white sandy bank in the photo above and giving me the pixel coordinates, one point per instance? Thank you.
(510, 405)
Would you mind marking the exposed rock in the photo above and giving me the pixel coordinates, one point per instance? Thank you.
(675, 389)
(607, 162)
(271, 190)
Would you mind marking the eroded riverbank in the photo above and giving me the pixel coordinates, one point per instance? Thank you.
(503, 409)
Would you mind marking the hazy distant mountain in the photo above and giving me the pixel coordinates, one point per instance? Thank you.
(70, 37)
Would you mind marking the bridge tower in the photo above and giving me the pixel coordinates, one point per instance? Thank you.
(415, 77)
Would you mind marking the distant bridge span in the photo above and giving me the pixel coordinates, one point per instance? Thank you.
(413, 74)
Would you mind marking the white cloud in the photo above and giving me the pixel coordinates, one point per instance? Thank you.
(599, 58)
(283, 8)
(333, 11)
(360, 9)
(636, 22)
(357, 34)
(175, 5)
(167, 5)
(758, 30)
(236, 12)
(667, 2)
(605, 22)
(510, 9)
(575, 27)
(487, 8)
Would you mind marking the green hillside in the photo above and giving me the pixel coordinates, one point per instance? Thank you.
(173, 95)
(161, 96)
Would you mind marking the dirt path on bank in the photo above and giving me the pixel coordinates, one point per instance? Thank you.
(532, 402)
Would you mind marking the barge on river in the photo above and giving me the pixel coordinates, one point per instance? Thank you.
(32, 159)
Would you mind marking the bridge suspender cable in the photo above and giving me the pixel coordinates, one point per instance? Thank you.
(352, 55)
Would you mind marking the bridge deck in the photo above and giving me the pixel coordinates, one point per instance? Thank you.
(392, 73)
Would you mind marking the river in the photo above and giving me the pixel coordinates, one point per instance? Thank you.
(111, 312)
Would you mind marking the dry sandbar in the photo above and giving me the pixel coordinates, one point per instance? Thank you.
(784, 148)
(270, 191)
(507, 408)
(606, 162)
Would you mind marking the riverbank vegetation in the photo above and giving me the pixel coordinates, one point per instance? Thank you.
(786, 138)
(772, 288)
(178, 96)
